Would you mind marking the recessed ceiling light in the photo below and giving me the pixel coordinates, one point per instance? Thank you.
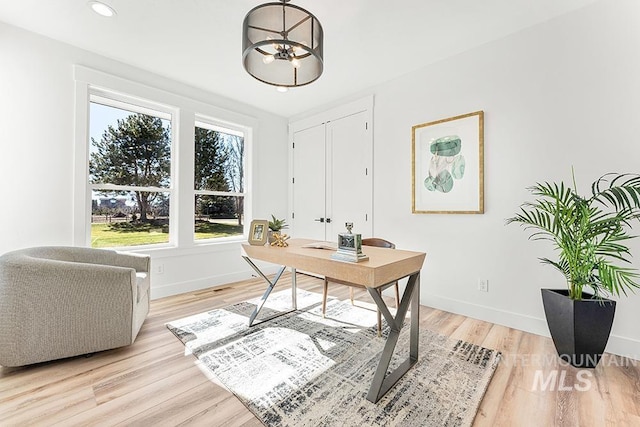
(282, 89)
(102, 9)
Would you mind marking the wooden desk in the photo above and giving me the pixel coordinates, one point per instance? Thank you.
(383, 267)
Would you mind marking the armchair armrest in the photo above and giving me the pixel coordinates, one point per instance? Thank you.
(139, 262)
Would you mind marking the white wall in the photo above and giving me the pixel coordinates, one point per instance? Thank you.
(561, 94)
(37, 157)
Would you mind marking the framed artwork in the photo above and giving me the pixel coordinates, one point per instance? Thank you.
(258, 232)
(448, 165)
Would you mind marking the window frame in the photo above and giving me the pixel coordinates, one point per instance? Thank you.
(185, 111)
(210, 123)
(141, 106)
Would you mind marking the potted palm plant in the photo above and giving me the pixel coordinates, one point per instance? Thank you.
(590, 235)
(276, 226)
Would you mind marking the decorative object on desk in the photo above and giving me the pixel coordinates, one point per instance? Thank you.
(447, 165)
(258, 232)
(280, 240)
(590, 233)
(275, 226)
(321, 245)
(349, 246)
(299, 369)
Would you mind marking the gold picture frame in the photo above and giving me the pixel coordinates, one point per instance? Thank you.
(447, 165)
(258, 232)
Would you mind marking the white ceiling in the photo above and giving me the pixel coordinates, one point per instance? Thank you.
(198, 42)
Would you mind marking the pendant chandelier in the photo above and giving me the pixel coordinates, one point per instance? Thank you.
(282, 45)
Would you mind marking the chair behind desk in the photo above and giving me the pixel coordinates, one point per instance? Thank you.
(372, 241)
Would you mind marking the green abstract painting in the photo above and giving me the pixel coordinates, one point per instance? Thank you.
(447, 165)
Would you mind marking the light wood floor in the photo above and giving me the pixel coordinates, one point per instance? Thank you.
(153, 382)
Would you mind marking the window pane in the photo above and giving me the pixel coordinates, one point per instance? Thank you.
(234, 147)
(218, 216)
(128, 148)
(219, 161)
(116, 218)
(219, 166)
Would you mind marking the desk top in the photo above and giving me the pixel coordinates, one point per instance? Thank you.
(384, 265)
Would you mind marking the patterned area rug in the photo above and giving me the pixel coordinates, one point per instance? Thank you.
(302, 370)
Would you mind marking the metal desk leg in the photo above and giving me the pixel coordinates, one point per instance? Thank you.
(294, 289)
(266, 294)
(382, 383)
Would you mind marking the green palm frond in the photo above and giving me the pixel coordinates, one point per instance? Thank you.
(562, 267)
(620, 278)
(622, 192)
(588, 233)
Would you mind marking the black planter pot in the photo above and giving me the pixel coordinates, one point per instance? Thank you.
(579, 329)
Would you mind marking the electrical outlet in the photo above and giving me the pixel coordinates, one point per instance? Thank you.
(159, 268)
(483, 285)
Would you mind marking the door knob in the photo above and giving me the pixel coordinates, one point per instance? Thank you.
(319, 219)
(328, 220)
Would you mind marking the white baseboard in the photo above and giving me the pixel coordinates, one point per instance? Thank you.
(624, 346)
(621, 346)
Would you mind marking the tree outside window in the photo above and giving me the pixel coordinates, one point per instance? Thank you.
(130, 166)
(130, 176)
(219, 182)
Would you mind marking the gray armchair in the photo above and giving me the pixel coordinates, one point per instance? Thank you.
(58, 302)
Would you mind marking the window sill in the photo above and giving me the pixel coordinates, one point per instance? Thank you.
(203, 247)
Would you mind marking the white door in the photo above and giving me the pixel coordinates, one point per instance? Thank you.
(332, 178)
(349, 183)
(309, 183)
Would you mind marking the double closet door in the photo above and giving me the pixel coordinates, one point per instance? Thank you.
(332, 177)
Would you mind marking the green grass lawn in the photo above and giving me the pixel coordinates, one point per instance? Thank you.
(211, 230)
(105, 236)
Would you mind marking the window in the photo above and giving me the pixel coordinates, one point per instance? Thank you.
(219, 181)
(129, 173)
(157, 170)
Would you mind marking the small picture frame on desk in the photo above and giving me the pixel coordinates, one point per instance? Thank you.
(258, 232)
